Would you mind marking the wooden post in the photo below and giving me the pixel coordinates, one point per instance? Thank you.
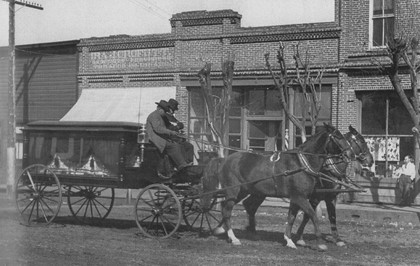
(11, 132)
(11, 129)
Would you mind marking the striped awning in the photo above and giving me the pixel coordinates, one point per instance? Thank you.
(117, 104)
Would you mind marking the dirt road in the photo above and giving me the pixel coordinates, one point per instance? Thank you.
(117, 241)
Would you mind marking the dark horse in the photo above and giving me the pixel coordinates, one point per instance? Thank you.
(336, 168)
(291, 174)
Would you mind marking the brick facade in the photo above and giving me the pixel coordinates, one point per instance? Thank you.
(196, 38)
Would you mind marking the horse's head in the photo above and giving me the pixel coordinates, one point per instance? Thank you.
(359, 147)
(328, 140)
(337, 143)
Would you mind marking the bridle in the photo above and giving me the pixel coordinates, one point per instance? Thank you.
(355, 139)
(345, 149)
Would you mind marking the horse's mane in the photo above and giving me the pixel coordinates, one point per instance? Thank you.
(313, 142)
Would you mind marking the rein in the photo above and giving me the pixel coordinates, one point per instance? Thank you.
(285, 173)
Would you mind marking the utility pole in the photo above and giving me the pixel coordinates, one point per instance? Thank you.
(11, 132)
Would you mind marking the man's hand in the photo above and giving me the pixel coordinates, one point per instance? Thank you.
(181, 135)
(180, 125)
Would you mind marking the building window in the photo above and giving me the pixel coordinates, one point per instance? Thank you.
(324, 116)
(386, 126)
(382, 22)
(264, 119)
(199, 128)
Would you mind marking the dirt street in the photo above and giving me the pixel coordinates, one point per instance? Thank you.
(117, 241)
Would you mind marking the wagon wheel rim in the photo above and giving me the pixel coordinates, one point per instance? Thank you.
(38, 195)
(158, 211)
(88, 204)
(203, 219)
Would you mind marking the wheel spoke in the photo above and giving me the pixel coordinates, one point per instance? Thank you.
(38, 195)
(147, 217)
(81, 206)
(157, 211)
(43, 211)
(30, 213)
(90, 200)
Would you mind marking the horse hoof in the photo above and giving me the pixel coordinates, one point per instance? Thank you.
(219, 231)
(291, 245)
(236, 242)
(301, 243)
(322, 247)
(340, 244)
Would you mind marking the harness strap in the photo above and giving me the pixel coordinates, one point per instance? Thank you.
(330, 162)
(304, 161)
(285, 173)
(336, 181)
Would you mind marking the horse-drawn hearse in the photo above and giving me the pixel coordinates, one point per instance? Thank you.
(82, 163)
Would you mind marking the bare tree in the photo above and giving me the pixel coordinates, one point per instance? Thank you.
(218, 106)
(403, 53)
(306, 81)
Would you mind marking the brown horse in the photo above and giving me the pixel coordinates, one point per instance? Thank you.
(336, 168)
(291, 174)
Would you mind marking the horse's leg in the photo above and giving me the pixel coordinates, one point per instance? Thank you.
(291, 216)
(251, 205)
(331, 203)
(300, 242)
(227, 207)
(307, 208)
(220, 229)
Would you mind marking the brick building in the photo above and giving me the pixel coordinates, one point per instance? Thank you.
(158, 66)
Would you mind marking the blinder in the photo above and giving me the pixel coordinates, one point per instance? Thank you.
(347, 153)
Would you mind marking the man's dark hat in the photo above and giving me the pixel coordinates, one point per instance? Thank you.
(163, 104)
(173, 104)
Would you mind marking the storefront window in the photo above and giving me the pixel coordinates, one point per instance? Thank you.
(324, 116)
(198, 125)
(386, 126)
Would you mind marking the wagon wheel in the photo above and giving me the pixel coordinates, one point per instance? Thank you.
(202, 218)
(38, 195)
(88, 203)
(157, 211)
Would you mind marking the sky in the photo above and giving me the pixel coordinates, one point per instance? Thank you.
(64, 20)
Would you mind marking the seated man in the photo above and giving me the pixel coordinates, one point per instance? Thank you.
(160, 136)
(174, 124)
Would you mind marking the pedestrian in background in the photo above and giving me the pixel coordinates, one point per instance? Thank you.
(406, 180)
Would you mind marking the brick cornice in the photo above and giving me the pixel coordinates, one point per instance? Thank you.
(275, 37)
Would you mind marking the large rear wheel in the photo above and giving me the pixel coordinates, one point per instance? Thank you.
(89, 204)
(157, 211)
(38, 195)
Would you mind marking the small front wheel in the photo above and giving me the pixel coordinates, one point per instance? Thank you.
(157, 211)
(38, 195)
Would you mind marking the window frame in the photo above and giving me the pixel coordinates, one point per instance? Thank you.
(382, 16)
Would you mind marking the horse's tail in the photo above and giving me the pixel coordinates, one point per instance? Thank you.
(210, 180)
